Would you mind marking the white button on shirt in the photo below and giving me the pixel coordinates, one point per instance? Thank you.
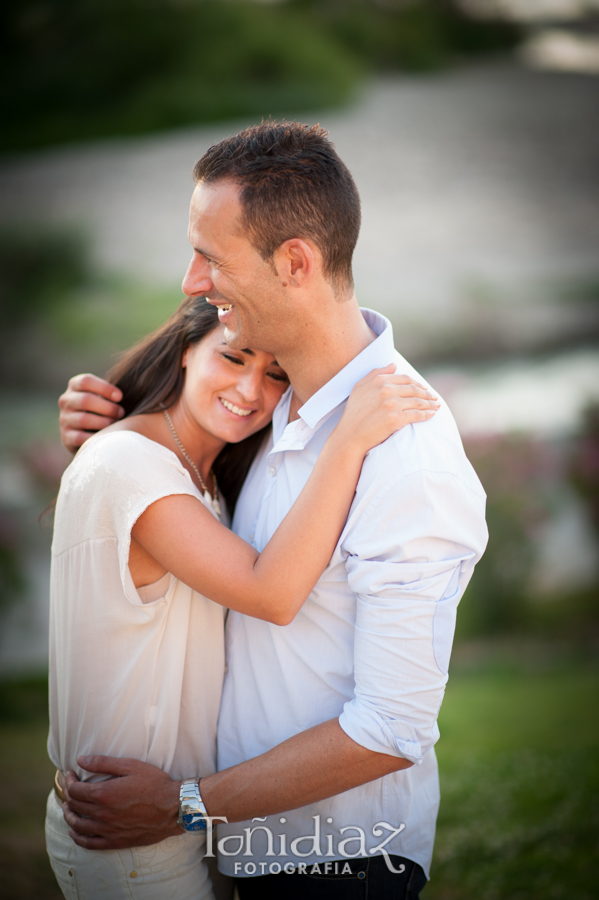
(371, 645)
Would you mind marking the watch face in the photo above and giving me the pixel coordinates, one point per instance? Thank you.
(193, 821)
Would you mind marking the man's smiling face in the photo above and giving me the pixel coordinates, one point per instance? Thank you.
(229, 271)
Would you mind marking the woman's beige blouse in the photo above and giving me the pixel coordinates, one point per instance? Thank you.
(127, 678)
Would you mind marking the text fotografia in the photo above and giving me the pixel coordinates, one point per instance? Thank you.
(353, 845)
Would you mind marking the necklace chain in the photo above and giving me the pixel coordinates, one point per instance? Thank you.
(214, 495)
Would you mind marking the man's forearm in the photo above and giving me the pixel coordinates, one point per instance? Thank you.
(139, 804)
(310, 766)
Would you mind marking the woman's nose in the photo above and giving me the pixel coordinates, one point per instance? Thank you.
(249, 385)
(197, 279)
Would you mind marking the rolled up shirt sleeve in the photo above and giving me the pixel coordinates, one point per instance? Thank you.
(409, 559)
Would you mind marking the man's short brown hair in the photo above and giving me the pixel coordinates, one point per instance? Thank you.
(293, 185)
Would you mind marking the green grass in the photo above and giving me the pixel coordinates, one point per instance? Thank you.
(520, 787)
(519, 780)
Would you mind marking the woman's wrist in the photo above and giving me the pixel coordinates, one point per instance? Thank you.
(344, 443)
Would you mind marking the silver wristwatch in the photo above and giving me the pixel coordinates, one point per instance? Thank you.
(192, 812)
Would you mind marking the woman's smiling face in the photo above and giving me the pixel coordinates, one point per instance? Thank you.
(230, 394)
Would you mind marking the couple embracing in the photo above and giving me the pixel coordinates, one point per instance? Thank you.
(303, 720)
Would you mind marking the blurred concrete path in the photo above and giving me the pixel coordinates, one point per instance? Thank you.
(479, 178)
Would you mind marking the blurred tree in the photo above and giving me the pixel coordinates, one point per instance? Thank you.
(410, 34)
(76, 69)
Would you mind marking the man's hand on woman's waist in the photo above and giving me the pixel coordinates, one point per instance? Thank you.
(137, 807)
(140, 804)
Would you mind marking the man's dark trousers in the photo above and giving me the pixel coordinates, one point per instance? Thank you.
(370, 879)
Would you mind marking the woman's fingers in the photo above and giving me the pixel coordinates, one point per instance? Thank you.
(411, 416)
(415, 402)
(409, 386)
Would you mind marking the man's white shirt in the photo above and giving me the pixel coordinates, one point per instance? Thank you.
(371, 645)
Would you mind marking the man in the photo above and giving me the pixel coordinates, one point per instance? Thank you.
(348, 694)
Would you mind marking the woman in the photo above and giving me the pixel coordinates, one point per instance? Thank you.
(138, 550)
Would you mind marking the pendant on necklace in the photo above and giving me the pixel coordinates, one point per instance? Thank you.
(213, 501)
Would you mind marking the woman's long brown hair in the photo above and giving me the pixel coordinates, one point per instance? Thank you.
(150, 374)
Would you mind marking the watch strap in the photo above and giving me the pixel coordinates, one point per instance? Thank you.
(192, 811)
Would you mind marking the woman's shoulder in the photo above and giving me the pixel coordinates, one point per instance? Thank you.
(124, 452)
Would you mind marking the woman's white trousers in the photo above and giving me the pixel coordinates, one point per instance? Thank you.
(171, 870)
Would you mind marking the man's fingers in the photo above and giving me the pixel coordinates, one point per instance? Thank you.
(83, 411)
(81, 824)
(85, 831)
(95, 385)
(107, 765)
(91, 843)
(82, 798)
(67, 782)
(77, 402)
(84, 421)
(72, 440)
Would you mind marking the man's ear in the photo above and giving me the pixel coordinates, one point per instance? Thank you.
(295, 261)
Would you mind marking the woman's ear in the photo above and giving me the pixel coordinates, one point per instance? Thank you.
(184, 358)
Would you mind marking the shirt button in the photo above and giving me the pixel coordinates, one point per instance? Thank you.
(272, 470)
(134, 874)
(252, 536)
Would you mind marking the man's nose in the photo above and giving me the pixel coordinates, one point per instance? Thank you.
(197, 280)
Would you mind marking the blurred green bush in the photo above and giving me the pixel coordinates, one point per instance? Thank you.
(525, 480)
(77, 69)
(38, 268)
(12, 576)
(412, 35)
(584, 465)
(59, 315)
(515, 472)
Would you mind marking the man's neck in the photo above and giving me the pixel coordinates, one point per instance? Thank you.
(324, 351)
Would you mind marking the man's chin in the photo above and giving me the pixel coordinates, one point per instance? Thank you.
(234, 338)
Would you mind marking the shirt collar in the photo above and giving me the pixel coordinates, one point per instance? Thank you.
(376, 355)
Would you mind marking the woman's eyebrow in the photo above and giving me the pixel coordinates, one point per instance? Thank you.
(248, 351)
